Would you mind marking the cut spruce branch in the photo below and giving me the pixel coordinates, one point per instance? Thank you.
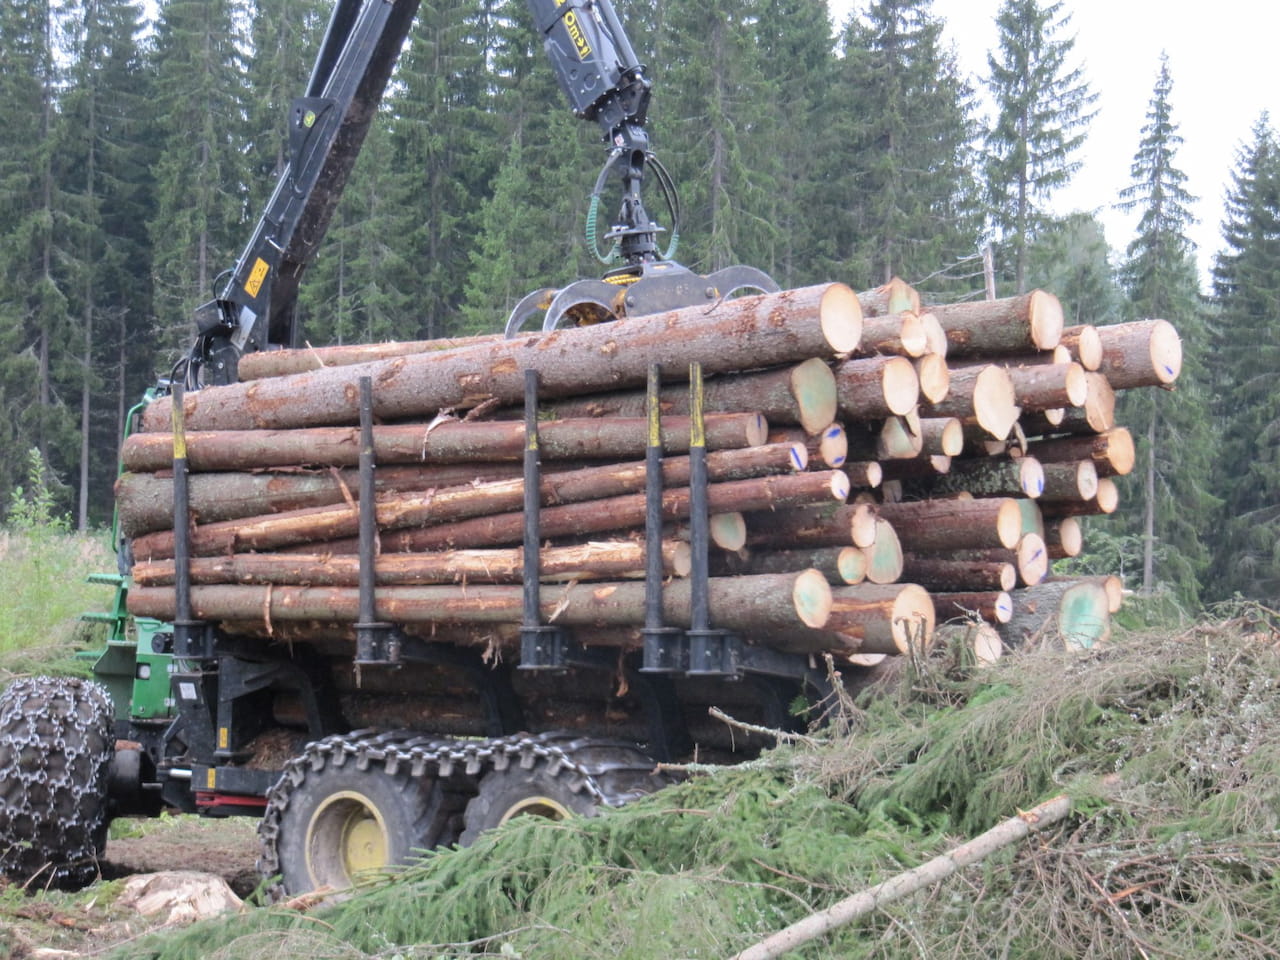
(855, 907)
(1144, 353)
(145, 501)
(926, 526)
(804, 395)
(598, 560)
(872, 388)
(981, 397)
(401, 519)
(786, 327)
(448, 441)
(1023, 324)
(751, 605)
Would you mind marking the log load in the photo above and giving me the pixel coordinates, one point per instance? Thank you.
(812, 396)
(791, 326)
(1071, 613)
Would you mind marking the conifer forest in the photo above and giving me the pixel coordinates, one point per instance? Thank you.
(141, 142)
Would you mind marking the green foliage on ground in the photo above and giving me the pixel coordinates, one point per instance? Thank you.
(1169, 746)
(43, 566)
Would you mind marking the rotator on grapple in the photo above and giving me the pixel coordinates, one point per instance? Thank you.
(605, 82)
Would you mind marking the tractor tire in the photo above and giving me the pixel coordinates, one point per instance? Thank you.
(56, 745)
(618, 774)
(343, 822)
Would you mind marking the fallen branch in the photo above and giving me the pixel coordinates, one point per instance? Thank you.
(936, 870)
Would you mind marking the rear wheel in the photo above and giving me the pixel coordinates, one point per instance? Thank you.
(56, 744)
(342, 823)
(519, 792)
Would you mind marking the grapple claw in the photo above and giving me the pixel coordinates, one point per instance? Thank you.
(530, 304)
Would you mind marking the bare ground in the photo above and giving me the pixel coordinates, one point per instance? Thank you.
(53, 924)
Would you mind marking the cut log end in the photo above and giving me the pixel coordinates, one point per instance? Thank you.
(901, 386)
(814, 387)
(934, 376)
(840, 317)
(728, 531)
(811, 596)
(1166, 351)
(1031, 476)
(1009, 523)
(1077, 385)
(995, 403)
(1046, 320)
(1032, 559)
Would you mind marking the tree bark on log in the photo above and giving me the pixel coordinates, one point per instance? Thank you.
(886, 618)
(840, 565)
(900, 334)
(981, 397)
(283, 363)
(1029, 557)
(926, 526)
(1070, 481)
(897, 438)
(804, 395)
(1073, 613)
(484, 526)
(1013, 325)
(829, 447)
(1112, 452)
(852, 524)
(1145, 353)
(753, 606)
(1084, 344)
(993, 477)
(935, 871)
(1106, 500)
(598, 560)
(920, 473)
(992, 606)
(896, 296)
(786, 327)
(1063, 538)
(872, 388)
(937, 573)
(1047, 386)
(942, 436)
(1096, 415)
(864, 474)
(446, 442)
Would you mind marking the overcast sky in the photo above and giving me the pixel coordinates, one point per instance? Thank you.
(1221, 58)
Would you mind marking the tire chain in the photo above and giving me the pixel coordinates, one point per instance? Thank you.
(610, 772)
(56, 744)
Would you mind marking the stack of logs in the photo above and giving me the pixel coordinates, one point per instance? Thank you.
(874, 466)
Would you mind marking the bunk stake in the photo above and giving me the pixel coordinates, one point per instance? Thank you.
(711, 652)
(664, 648)
(542, 647)
(376, 643)
(192, 639)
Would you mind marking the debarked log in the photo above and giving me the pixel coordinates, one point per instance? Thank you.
(597, 560)
(444, 442)
(751, 605)
(786, 327)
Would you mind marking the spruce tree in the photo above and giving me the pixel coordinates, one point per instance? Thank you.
(1043, 110)
(1246, 290)
(201, 173)
(1173, 502)
(903, 186)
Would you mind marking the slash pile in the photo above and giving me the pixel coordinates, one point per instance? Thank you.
(873, 466)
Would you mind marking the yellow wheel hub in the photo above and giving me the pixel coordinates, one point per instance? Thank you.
(346, 837)
(537, 807)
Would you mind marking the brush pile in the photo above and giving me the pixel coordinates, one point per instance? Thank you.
(873, 466)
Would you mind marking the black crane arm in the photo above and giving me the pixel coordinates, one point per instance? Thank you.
(254, 307)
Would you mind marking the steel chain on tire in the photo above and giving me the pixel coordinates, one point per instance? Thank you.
(56, 744)
(610, 772)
